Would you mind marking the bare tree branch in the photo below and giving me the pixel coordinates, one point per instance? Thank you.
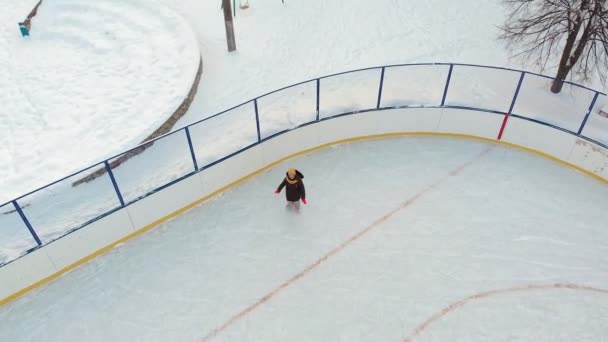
(575, 30)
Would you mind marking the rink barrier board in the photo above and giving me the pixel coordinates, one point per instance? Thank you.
(79, 244)
(591, 157)
(53, 260)
(538, 137)
(153, 208)
(472, 123)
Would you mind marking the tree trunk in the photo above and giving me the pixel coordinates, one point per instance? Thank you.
(564, 63)
(230, 39)
(558, 81)
(570, 58)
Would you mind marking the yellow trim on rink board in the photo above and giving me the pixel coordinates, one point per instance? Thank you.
(265, 168)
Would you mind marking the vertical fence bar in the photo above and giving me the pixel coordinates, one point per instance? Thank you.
(27, 223)
(257, 119)
(506, 118)
(580, 130)
(380, 88)
(191, 149)
(521, 80)
(447, 85)
(109, 170)
(318, 96)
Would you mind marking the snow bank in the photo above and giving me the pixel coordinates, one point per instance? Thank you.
(93, 79)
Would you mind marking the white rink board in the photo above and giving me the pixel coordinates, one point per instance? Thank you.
(231, 170)
(543, 138)
(462, 121)
(590, 156)
(83, 242)
(348, 126)
(286, 144)
(408, 120)
(164, 202)
(24, 272)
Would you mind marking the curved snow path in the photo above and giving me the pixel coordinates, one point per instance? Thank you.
(94, 78)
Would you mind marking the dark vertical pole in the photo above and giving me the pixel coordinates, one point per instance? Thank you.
(580, 130)
(447, 85)
(229, 26)
(318, 96)
(191, 149)
(257, 119)
(521, 79)
(234, 8)
(506, 118)
(380, 88)
(27, 223)
(109, 170)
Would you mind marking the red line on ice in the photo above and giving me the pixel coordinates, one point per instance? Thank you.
(461, 303)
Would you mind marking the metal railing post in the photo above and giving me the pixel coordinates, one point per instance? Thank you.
(318, 96)
(191, 149)
(521, 79)
(506, 118)
(257, 119)
(380, 88)
(109, 170)
(27, 223)
(447, 85)
(580, 130)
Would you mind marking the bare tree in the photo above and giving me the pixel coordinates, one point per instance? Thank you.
(539, 29)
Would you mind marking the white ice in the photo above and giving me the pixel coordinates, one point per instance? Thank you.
(395, 232)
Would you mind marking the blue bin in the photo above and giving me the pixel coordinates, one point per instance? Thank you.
(24, 31)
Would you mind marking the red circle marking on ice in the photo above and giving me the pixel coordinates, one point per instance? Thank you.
(481, 295)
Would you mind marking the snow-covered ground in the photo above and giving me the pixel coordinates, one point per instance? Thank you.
(280, 44)
(94, 78)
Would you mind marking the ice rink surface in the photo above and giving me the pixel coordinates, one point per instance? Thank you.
(404, 239)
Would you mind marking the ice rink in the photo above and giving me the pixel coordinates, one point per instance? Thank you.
(404, 239)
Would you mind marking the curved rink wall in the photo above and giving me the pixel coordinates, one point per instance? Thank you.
(349, 109)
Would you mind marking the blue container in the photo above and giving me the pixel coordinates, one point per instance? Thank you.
(24, 31)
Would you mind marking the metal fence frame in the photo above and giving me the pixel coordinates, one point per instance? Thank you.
(198, 168)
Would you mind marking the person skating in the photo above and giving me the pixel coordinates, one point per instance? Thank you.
(294, 188)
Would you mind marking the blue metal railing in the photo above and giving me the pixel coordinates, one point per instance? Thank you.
(42, 233)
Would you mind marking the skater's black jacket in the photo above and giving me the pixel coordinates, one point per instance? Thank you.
(294, 188)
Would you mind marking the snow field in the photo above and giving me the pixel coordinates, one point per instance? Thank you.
(92, 79)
